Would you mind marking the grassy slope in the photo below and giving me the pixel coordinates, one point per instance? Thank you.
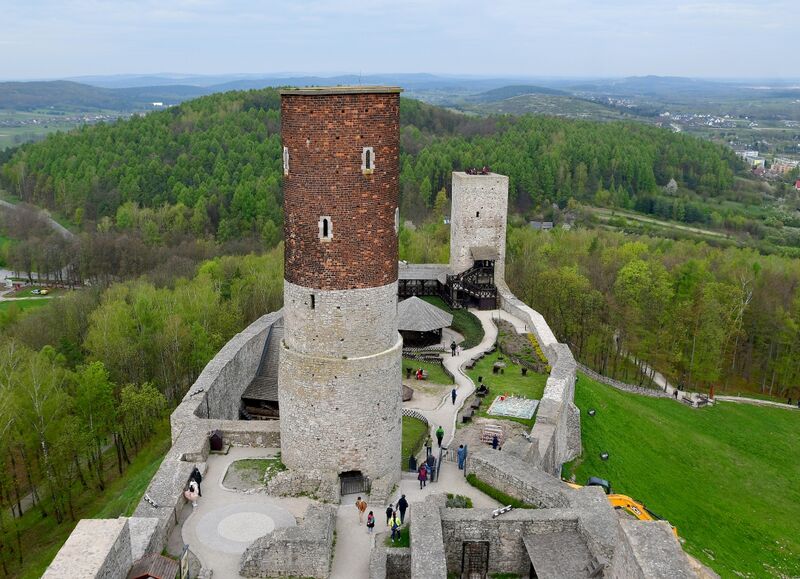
(436, 374)
(725, 476)
(414, 433)
(512, 382)
(464, 322)
(43, 537)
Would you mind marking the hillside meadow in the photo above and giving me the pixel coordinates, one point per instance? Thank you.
(725, 476)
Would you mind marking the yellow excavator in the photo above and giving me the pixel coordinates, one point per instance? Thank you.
(623, 502)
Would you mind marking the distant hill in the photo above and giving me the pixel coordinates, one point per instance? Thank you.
(124, 93)
(62, 94)
(512, 91)
(663, 86)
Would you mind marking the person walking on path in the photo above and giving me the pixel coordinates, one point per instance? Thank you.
(389, 511)
(495, 442)
(402, 506)
(454, 395)
(453, 347)
(422, 476)
(462, 456)
(428, 446)
(395, 526)
(362, 508)
(370, 522)
(439, 435)
(430, 463)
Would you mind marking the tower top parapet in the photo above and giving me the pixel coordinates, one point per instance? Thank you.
(347, 89)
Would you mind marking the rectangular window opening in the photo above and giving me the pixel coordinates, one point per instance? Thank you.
(313, 301)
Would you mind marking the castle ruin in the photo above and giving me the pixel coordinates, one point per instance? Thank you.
(327, 370)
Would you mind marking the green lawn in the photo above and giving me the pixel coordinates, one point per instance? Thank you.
(26, 292)
(511, 382)
(497, 494)
(436, 374)
(726, 477)
(43, 537)
(414, 433)
(404, 540)
(464, 322)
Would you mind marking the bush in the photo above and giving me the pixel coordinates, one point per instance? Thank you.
(458, 501)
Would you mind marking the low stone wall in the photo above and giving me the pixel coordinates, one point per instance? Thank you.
(556, 433)
(321, 485)
(427, 544)
(301, 551)
(97, 549)
(652, 392)
(507, 553)
(514, 477)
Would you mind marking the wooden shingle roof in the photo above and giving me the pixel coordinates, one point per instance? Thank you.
(416, 315)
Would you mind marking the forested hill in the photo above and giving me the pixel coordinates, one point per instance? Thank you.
(212, 165)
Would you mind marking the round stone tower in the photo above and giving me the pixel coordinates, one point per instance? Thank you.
(339, 380)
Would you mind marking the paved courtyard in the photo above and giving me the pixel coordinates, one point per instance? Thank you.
(226, 522)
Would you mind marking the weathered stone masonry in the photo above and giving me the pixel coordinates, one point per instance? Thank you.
(478, 219)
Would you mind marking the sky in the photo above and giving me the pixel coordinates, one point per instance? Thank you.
(523, 38)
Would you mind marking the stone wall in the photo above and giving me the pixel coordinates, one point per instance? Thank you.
(218, 390)
(507, 553)
(342, 414)
(514, 477)
(301, 551)
(624, 387)
(648, 549)
(321, 485)
(556, 433)
(340, 324)
(427, 544)
(96, 549)
(478, 219)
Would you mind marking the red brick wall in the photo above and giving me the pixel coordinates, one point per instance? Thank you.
(325, 135)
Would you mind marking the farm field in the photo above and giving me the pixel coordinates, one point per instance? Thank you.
(725, 476)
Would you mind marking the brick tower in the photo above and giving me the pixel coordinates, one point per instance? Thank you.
(340, 371)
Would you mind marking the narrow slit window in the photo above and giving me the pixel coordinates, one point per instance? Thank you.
(286, 160)
(325, 228)
(367, 160)
(313, 301)
(477, 214)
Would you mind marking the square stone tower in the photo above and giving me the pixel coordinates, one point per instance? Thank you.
(478, 221)
(339, 379)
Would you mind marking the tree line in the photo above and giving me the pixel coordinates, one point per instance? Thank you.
(212, 166)
(85, 380)
(702, 316)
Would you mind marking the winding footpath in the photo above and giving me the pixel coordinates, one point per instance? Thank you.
(446, 413)
(353, 544)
